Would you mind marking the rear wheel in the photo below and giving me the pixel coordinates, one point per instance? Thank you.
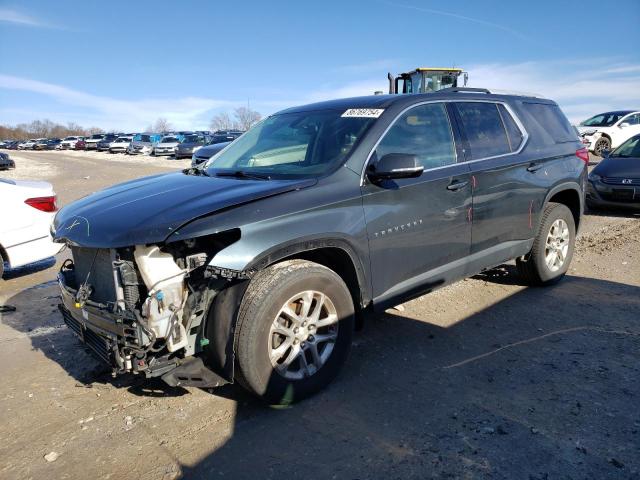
(552, 251)
(294, 331)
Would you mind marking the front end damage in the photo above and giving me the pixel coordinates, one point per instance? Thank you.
(146, 309)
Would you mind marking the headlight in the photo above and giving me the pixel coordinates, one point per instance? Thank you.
(589, 132)
(594, 177)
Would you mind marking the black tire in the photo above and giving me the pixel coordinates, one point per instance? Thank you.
(603, 143)
(533, 266)
(266, 295)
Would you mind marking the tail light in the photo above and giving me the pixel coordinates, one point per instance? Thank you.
(44, 204)
(583, 154)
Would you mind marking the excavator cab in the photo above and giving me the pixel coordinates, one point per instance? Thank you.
(426, 80)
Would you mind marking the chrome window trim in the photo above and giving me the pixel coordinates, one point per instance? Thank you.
(516, 119)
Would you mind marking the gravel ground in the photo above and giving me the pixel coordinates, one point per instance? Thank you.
(483, 379)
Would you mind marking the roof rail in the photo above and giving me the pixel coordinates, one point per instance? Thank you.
(465, 89)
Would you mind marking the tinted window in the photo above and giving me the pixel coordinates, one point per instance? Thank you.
(423, 131)
(632, 119)
(630, 148)
(484, 129)
(604, 119)
(514, 135)
(551, 120)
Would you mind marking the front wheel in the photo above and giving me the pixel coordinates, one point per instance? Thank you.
(602, 144)
(552, 251)
(294, 331)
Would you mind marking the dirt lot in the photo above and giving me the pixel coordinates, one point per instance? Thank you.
(483, 379)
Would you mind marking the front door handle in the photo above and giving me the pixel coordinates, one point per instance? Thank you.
(534, 167)
(456, 185)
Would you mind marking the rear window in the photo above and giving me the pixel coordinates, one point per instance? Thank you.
(551, 121)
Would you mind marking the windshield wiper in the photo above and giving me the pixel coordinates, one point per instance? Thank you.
(244, 174)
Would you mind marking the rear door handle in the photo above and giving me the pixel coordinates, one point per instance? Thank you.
(456, 185)
(534, 167)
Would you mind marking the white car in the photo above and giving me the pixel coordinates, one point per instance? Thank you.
(608, 130)
(91, 143)
(166, 146)
(69, 143)
(25, 220)
(29, 144)
(120, 144)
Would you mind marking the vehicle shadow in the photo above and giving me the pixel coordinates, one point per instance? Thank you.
(506, 274)
(541, 384)
(36, 315)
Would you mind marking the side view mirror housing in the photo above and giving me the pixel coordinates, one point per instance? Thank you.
(605, 153)
(624, 125)
(395, 165)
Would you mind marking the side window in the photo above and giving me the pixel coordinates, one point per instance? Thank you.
(632, 119)
(423, 131)
(514, 135)
(484, 129)
(552, 122)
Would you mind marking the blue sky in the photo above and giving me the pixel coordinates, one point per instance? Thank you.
(122, 64)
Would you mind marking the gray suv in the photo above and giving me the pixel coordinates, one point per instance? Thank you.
(257, 265)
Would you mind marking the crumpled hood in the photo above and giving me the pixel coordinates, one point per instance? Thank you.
(149, 209)
(618, 167)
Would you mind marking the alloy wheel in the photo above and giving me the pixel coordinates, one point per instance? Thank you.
(303, 335)
(557, 245)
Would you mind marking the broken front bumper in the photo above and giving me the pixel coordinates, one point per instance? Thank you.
(107, 333)
(96, 326)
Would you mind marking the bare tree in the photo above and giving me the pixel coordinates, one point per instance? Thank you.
(43, 128)
(222, 121)
(245, 117)
(162, 125)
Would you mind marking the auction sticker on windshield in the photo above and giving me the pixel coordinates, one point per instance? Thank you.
(363, 112)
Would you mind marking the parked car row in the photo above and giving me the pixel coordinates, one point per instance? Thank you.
(181, 144)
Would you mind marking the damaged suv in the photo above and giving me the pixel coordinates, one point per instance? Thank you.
(257, 265)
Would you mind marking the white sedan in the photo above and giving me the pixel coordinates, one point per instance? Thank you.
(120, 144)
(27, 209)
(166, 146)
(69, 143)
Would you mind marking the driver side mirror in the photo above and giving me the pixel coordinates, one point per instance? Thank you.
(625, 124)
(605, 153)
(393, 166)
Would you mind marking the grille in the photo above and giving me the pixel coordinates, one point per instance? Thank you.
(621, 181)
(100, 272)
(95, 342)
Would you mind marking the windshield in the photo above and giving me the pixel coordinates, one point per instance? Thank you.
(142, 138)
(96, 137)
(630, 148)
(169, 140)
(293, 145)
(193, 139)
(603, 119)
